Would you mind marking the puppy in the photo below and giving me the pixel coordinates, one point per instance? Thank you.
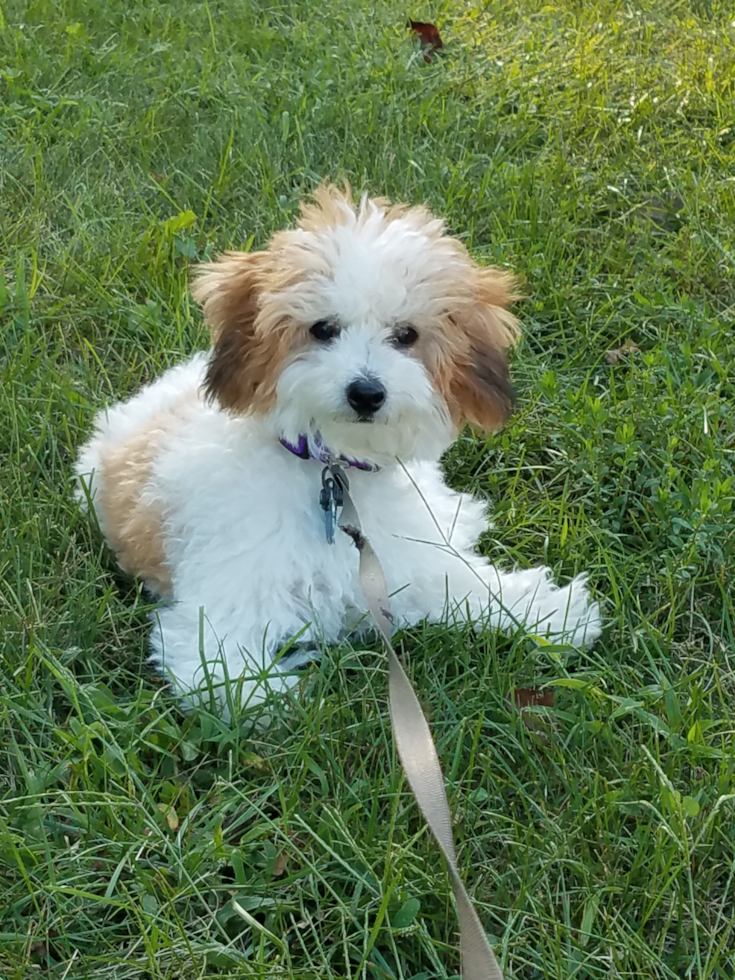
(366, 335)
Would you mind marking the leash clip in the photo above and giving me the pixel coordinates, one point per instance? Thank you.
(331, 497)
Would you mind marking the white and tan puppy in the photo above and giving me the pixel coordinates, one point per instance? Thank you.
(365, 333)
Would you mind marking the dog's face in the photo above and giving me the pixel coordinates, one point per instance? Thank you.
(365, 324)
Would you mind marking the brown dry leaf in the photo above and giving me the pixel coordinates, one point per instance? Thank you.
(526, 697)
(429, 36)
(279, 868)
(629, 347)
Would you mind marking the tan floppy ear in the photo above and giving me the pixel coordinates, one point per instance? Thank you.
(479, 386)
(228, 291)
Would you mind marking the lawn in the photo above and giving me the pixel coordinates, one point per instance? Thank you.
(591, 148)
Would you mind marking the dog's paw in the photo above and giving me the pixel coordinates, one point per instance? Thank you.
(565, 615)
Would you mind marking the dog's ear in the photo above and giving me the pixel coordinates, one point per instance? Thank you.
(479, 389)
(228, 291)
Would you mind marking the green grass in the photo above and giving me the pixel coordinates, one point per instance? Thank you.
(591, 147)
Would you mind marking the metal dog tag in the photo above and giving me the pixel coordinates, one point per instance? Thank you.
(331, 498)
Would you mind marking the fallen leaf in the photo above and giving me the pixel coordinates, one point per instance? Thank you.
(613, 356)
(172, 818)
(527, 697)
(279, 868)
(429, 37)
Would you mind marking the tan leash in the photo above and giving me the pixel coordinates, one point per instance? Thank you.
(413, 738)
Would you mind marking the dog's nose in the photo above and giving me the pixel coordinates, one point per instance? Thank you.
(366, 395)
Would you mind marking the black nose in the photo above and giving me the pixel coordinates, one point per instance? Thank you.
(366, 395)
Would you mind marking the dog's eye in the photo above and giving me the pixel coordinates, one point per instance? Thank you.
(324, 330)
(405, 337)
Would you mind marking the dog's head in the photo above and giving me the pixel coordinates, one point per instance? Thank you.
(366, 324)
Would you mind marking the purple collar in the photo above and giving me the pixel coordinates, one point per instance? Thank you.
(303, 450)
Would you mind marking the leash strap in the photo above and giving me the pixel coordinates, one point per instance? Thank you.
(416, 747)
